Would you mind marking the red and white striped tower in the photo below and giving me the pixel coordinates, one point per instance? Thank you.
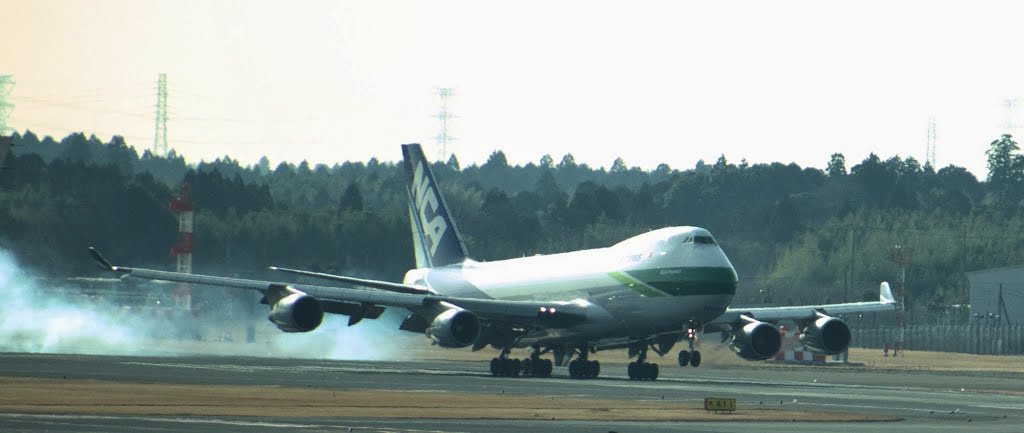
(182, 250)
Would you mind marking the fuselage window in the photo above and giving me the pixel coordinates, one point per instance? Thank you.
(705, 240)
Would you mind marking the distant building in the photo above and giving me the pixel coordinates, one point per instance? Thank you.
(997, 295)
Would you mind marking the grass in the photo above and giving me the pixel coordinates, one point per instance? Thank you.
(56, 396)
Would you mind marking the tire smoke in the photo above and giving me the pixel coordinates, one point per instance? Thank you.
(39, 318)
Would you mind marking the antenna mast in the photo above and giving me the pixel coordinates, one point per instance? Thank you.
(6, 83)
(442, 137)
(929, 155)
(160, 136)
(1010, 104)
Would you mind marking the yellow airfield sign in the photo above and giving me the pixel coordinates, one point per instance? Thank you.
(719, 404)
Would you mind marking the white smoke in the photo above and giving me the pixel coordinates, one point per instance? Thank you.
(37, 319)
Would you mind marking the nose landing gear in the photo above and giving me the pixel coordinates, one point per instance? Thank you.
(691, 356)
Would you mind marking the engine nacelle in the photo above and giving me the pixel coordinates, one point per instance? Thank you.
(756, 341)
(454, 328)
(297, 312)
(826, 334)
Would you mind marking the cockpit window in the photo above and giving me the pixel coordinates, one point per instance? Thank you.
(705, 240)
(689, 239)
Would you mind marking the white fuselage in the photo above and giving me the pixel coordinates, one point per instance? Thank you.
(654, 282)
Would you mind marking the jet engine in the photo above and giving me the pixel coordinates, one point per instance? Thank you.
(297, 312)
(826, 334)
(757, 340)
(454, 328)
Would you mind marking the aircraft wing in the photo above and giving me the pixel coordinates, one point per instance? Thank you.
(373, 284)
(885, 302)
(352, 302)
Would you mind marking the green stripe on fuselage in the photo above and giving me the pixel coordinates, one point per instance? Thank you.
(637, 285)
(689, 281)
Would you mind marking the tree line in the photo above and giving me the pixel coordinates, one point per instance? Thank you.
(794, 234)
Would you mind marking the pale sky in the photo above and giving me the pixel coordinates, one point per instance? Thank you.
(652, 82)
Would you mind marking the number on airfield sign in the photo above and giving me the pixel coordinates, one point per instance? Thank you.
(719, 404)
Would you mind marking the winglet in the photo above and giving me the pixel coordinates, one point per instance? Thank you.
(102, 262)
(885, 295)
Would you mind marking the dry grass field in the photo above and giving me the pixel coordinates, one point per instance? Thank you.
(56, 396)
(938, 361)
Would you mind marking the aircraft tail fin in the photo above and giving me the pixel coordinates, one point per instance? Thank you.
(435, 237)
(885, 294)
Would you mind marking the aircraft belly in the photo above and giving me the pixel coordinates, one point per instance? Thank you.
(642, 315)
(632, 315)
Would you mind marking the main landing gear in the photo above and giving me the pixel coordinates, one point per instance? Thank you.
(641, 369)
(582, 367)
(503, 366)
(691, 356)
(537, 367)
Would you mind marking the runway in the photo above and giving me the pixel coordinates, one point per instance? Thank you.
(992, 402)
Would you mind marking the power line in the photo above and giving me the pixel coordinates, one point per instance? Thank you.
(79, 107)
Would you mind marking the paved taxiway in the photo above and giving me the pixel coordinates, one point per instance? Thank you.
(992, 402)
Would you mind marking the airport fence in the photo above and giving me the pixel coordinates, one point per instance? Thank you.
(979, 339)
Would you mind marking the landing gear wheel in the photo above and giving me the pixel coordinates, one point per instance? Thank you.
(513, 367)
(652, 372)
(539, 367)
(534, 366)
(584, 369)
(684, 358)
(506, 367)
(695, 361)
(642, 371)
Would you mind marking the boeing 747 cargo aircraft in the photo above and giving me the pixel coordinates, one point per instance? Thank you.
(646, 293)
